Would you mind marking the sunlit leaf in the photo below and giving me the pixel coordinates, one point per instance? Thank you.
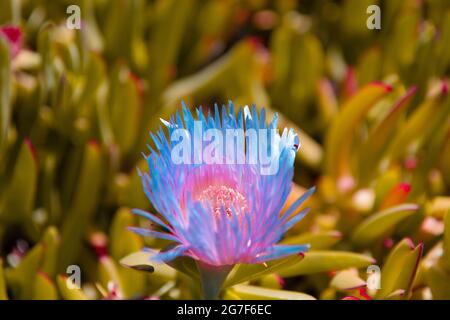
(405, 257)
(69, 293)
(339, 136)
(257, 293)
(347, 280)
(317, 241)
(381, 224)
(247, 272)
(324, 261)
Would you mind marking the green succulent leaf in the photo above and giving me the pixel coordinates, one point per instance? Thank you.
(405, 257)
(21, 279)
(248, 292)
(324, 261)
(83, 204)
(317, 241)
(247, 272)
(340, 134)
(347, 280)
(372, 150)
(51, 242)
(437, 280)
(108, 273)
(421, 125)
(3, 290)
(44, 288)
(141, 261)
(69, 293)
(446, 242)
(5, 91)
(123, 241)
(17, 202)
(381, 224)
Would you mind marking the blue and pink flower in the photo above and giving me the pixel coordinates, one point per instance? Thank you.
(221, 214)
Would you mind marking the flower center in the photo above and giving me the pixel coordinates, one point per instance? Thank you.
(220, 196)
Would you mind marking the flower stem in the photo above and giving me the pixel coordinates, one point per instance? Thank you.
(212, 278)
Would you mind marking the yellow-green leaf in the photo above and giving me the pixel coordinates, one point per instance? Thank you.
(347, 280)
(18, 200)
(50, 240)
(44, 289)
(372, 150)
(400, 268)
(5, 90)
(123, 241)
(21, 279)
(69, 293)
(247, 272)
(446, 242)
(381, 224)
(83, 204)
(141, 260)
(247, 292)
(108, 273)
(421, 124)
(324, 261)
(3, 293)
(340, 134)
(437, 280)
(317, 241)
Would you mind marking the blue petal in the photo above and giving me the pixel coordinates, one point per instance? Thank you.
(151, 217)
(291, 222)
(298, 202)
(169, 255)
(153, 234)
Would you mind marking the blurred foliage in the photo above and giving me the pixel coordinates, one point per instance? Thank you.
(373, 108)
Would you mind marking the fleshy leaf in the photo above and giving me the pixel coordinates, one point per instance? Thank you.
(437, 280)
(83, 204)
(141, 261)
(347, 280)
(324, 261)
(69, 293)
(317, 241)
(21, 279)
(3, 293)
(400, 268)
(421, 125)
(51, 242)
(248, 292)
(372, 150)
(44, 288)
(247, 272)
(20, 193)
(446, 242)
(381, 224)
(340, 134)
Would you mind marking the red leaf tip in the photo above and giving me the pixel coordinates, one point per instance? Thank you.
(13, 35)
(386, 86)
(444, 88)
(405, 187)
(30, 146)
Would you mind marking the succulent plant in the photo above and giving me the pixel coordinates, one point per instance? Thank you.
(371, 110)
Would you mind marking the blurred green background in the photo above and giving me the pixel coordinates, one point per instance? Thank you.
(371, 108)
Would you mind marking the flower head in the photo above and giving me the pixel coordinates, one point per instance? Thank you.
(13, 36)
(216, 208)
